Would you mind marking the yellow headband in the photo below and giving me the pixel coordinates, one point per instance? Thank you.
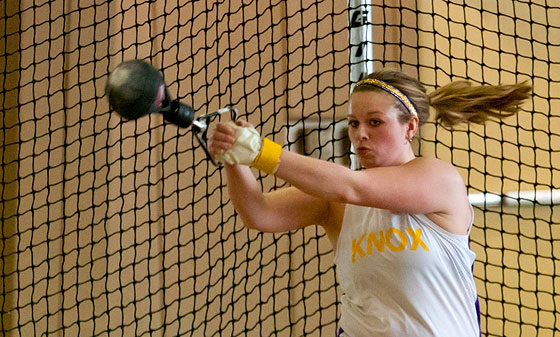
(392, 90)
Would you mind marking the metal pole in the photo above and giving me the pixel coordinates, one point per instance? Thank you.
(361, 44)
(361, 48)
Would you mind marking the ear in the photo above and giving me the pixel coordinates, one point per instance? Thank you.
(412, 127)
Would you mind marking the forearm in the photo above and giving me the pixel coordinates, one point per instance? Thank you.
(316, 177)
(246, 195)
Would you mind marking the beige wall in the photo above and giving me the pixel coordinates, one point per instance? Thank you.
(9, 153)
(123, 228)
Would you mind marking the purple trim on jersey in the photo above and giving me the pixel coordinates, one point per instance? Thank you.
(476, 303)
(340, 332)
(477, 306)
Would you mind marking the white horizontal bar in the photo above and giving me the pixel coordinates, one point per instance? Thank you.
(485, 199)
(541, 197)
(523, 198)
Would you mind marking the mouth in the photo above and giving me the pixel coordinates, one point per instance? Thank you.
(362, 151)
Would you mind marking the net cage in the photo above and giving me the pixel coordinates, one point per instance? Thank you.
(126, 229)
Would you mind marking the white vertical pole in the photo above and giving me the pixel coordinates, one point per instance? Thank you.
(361, 41)
(361, 47)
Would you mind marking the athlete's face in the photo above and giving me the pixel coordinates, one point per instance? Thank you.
(379, 138)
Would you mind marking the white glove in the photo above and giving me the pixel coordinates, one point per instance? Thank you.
(245, 149)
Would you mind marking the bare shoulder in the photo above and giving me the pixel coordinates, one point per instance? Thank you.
(456, 216)
(431, 162)
(433, 168)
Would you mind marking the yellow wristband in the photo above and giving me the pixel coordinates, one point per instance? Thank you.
(269, 157)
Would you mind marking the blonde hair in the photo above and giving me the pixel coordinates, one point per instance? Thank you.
(455, 103)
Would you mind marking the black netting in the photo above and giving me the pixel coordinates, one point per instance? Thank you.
(125, 228)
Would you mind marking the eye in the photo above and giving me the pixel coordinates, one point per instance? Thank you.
(374, 122)
(353, 123)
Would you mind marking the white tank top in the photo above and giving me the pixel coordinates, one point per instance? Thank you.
(403, 275)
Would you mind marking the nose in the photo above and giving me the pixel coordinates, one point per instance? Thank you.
(361, 132)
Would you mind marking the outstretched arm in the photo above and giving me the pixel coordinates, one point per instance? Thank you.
(421, 186)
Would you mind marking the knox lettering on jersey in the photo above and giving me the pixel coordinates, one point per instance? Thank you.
(394, 239)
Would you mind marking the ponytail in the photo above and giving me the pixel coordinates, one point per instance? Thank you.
(461, 102)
